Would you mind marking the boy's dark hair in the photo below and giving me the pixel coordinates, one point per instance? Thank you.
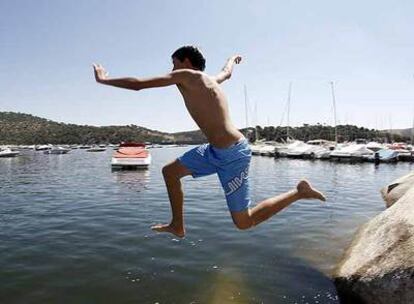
(193, 54)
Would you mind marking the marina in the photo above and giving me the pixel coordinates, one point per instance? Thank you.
(354, 152)
(351, 152)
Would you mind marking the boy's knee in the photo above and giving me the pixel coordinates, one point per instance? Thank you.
(243, 226)
(165, 170)
(172, 172)
(243, 223)
(168, 172)
(242, 219)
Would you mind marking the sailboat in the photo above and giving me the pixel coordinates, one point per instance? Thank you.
(348, 151)
(258, 147)
(316, 149)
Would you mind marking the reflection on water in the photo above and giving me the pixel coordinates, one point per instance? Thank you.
(73, 231)
(136, 180)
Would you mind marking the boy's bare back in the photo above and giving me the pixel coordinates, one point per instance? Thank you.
(207, 105)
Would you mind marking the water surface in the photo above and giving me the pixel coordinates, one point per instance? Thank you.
(72, 231)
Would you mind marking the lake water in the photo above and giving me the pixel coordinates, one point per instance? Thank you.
(72, 231)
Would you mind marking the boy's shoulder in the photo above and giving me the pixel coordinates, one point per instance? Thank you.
(190, 75)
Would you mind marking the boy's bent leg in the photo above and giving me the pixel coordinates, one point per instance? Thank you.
(172, 173)
(269, 207)
(193, 162)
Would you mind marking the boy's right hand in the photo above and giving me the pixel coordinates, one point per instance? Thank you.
(237, 59)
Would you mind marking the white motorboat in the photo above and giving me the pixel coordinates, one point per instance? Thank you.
(255, 148)
(317, 152)
(307, 151)
(25, 147)
(113, 146)
(375, 146)
(298, 151)
(330, 145)
(351, 152)
(267, 150)
(8, 153)
(154, 146)
(131, 155)
(84, 147)
(323, 153)
(322, 149)
(43, 147)
(96, 149)
(57, 150)
(283, 150)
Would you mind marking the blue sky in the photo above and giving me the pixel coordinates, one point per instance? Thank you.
(366, 47)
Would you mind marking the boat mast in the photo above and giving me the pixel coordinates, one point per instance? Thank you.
(412, 132)
(246, 110)
(256, 133)
(334, 108)
(288, 111)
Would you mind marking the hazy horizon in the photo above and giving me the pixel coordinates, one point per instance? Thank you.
(366, 48)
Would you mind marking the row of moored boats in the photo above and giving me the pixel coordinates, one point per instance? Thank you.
(326, 150)
(137, 155)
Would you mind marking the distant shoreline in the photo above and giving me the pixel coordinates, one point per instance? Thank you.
(26, 129)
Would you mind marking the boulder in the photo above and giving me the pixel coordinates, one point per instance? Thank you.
(396, 189)
(378, 267)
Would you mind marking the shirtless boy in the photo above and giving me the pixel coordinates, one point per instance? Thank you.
(227, 153)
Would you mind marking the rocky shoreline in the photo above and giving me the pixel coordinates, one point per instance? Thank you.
(378, 266)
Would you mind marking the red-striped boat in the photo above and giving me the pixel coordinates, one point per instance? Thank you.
(131, 155)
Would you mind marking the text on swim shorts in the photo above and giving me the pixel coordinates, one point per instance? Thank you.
(202, 149)
(237, 181)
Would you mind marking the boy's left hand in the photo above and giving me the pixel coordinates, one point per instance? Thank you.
(100, 73)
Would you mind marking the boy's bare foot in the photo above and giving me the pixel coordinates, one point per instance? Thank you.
(180, 232)
(305, 190)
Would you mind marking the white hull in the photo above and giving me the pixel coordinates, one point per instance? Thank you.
(353, 151)
(131, 162)
(43, 148)
(96, 150)
(57, 150)
(9, 153)
(267, 150)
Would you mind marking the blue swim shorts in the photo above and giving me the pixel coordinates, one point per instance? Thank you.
(231, 165)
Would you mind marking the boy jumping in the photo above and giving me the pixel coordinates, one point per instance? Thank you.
(227, 153)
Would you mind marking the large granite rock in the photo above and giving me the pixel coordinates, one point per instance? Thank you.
(378, 267)
(395, 190)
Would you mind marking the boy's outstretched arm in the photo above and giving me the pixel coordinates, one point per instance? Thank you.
(228, 68)
(132, 83)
